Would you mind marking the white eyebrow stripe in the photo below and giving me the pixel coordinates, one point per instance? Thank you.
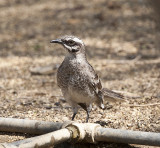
(78, 40)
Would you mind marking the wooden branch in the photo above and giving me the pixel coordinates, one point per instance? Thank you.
(128, 136)
(28, 126)
(87, 132)
(42, 141)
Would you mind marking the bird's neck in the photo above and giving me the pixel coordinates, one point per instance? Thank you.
(78, 56)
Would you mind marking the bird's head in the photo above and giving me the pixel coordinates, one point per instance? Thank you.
(73, 44)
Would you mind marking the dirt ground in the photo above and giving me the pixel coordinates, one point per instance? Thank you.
(120, 42)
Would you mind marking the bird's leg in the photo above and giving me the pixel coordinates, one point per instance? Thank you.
(89, 108)
(87, 116)
(74, 114)
(86, 108)
(75, 110)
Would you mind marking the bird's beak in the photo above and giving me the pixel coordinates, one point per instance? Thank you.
(59, 41)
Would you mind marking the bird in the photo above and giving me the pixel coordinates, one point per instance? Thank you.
(78, 81)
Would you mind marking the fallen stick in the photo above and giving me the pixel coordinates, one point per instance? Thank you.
(87, 132)
(28, 126)
(128, 136)
(42, 141)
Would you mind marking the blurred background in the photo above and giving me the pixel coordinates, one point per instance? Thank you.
(110, 29)
(122, 43)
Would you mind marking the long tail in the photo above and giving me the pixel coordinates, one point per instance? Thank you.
(112, 96)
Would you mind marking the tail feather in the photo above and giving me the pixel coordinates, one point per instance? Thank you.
(112, 96)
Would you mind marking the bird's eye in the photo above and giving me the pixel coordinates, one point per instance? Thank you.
(70, 43)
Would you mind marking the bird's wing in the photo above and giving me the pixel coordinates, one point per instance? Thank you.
(96, 85)
(94, 80)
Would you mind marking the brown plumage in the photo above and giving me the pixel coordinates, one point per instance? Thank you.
(77, 79)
